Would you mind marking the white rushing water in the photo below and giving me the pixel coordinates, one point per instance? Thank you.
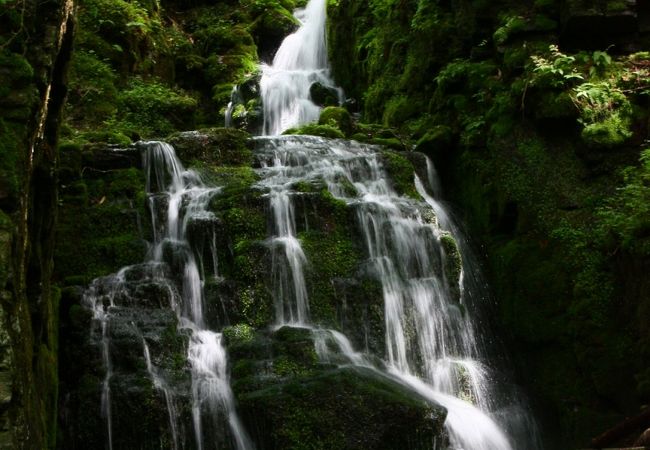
(177, 198)
(430, 335)
(160, 384)
(431, 343)
(300, 62)
(100, 298)
(187, 199)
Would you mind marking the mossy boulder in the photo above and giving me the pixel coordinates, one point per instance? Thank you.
(271, 26)
(401, 172)
(220, 146)
(344, 409)
(327, 131)
(337, 117)
(437, 140)
(323, 95)
(287, 397)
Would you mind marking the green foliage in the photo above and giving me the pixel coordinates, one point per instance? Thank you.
(601, 61)
(150, 108)
(511, 26)
(555, 70)
(93, 94)
(240, 333)
(605, 114)
(626, 216)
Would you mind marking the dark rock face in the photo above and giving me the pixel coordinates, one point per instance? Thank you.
(139, 407)
(597, 25)
(36, 44)
(104, 158)
(222, 146)
(323, 96)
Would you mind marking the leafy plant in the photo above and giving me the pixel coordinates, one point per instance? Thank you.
(601, 61)
(557, 70)
(627, 214)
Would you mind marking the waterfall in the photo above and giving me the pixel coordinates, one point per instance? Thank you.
(431, 338)
(431, 344)
(160, 384)
(176, 197)
(300, 62)
(288, 260)
(187, 199)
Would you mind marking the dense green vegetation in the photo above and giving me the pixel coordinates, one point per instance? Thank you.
(539, 134)
(535, 113)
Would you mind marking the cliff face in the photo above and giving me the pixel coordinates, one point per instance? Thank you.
(35, 46)
(535, 113)
(536, 116)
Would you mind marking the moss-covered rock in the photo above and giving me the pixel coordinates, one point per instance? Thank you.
(219, 146)
(292, 399)
(401, 172)
(323, 95)
(327, 131)
(453, 264)
(337, 117)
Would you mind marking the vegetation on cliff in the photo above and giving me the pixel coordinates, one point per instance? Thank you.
(535, 113)
(536, 117)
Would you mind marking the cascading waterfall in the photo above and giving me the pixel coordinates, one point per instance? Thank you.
(177, 198)
(290, 290)
(430, 337)
(160, 384)
(430, 340)
(187, 199)
(100, 298)
(300, 62)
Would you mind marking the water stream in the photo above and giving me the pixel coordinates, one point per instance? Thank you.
(187, 200)
(431, 337)
(177, 198)
(430, 334)
(300, 62)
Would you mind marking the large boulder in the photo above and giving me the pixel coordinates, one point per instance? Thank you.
(287, 396)
(220, 146)
(323, 95)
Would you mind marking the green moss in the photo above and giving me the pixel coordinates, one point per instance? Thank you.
(98, 230)
(439, 138)
(93, 92)
(150, 108)
(453, 261)
(401, 173)
(611, 132)
(215, 147)
(399, 109)
(12, 136)
(239, 333)
(553, 105)
(346, 413)
(327, 131)
(511, 26)
(336, 117)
